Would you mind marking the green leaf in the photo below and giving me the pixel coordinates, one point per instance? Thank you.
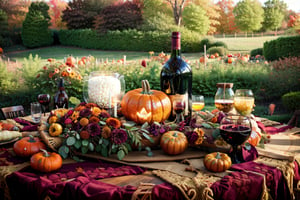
(148, 137)
(98, 148)
(91, 147)
(128, 146)
(134, 128)
(77, 144)
(77, 136)
(85, 143)
(145, 125)
(104, 152)
(121, 154)
(63, 152)
(71, 141)
(105, 142)
(102, 123)
(74, 100)
(100, 141)
(84, 149)
(129, 124)
(206, 125)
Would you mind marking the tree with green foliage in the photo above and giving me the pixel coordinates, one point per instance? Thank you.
(35, 31)
(274, 11)
(195, 19)
(4, 33)
(157, 15)
(248, 15)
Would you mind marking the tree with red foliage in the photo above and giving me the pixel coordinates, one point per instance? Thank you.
(55, 12)
(120, 16)
(227, 24)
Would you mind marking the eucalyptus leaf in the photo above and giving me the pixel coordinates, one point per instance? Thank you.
(91, 147)
(77, 144)
(105, 142)
(121, 154)
(129, 124)
(102, 123)
(100, 141)
(134, 128)
(84, 149)
(104, 152)
(85, 143)
(128, 146)
(62, 152)
(145, 131)
(71, 141)
(147, 148)
(98, 148)
(206, 125)
(77, 136)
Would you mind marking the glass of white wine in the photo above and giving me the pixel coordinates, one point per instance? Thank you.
(244, 101)
(197, 102)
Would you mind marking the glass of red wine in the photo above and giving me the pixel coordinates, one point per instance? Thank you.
(179, 108)
(44, 100)
(235, 130)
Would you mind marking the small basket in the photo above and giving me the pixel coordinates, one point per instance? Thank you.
(52, 142)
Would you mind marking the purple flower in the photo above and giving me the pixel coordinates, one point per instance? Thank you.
(118, 136)
(104, 115)
(76, 126)
(94, 129)
(192, 137)
(154, 129)
(85, 112)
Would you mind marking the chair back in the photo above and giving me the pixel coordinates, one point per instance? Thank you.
(13, 112)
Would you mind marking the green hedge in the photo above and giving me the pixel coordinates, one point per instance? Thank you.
(129, 40)
(282, 47)
(291, 100)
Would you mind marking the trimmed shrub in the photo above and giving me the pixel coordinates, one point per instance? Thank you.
(282, 47)
(35, 32)
(219, 44)
(220, 50)
(291, 100)
(258, 51)
(130, 40)
(206, 41)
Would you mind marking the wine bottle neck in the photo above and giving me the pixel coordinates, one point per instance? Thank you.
(176, 46)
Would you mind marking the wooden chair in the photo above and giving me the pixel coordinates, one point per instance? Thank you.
(13, 112)
(294, 119)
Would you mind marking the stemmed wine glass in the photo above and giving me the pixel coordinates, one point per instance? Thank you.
(197, 102)
(243, 101)
(235, 130)
(44, 100)
(179, 108)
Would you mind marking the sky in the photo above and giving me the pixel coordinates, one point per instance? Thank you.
(291, 4)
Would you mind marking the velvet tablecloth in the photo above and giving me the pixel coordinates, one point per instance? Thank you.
(82, 180)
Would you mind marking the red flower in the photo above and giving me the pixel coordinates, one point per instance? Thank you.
(38, 75)
(51, 75)
(144, 63)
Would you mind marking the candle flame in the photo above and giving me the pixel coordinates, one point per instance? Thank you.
(143, 114)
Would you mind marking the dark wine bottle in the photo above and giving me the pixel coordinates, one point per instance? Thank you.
(61, 98)
(176, 77)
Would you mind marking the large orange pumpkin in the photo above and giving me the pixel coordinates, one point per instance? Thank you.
(217, 162)
(145, 105)
(173, 142)
(28, 146)
(46, 161)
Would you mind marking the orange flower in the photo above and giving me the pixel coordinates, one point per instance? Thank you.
(72, 74)
(114, 122)
(200, 134)
(106, 132)
(1, 50)
(79, 77)
(94, 119)
(64, 73)
(79, 108)
(75, 116)
(84, 121)
(96, 111)
(84, 135)
(90, 105)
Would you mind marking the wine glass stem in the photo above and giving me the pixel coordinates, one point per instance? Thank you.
(178, 117)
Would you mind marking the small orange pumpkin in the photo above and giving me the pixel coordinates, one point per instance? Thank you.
(173, 142)
(46, 161)
(145, 105)
(217, 162)
(28, 146)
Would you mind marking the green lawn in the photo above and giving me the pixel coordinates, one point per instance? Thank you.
(245, 44)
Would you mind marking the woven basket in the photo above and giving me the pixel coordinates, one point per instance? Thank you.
(52, 142)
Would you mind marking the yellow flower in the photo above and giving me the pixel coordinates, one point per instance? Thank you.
(75, 116)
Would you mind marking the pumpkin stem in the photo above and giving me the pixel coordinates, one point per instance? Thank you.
(46, 154)
(218, 156)
(146, 87)
(31, 139)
